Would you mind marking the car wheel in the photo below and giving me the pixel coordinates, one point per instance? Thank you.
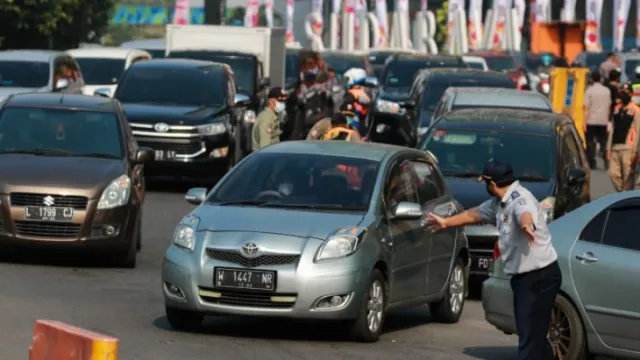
(449, 309)
(368, 326)
(128, 258)
(566, 332)
(184, 320)
(139, 235)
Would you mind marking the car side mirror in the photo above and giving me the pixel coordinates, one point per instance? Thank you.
(241, 100)
(62, 84)
(433, 157)
(265, 82)
(196, 196)
(576, 177)
(371, 82)
(145, 155)
(409, 104)
(104, 92)
(407, 211)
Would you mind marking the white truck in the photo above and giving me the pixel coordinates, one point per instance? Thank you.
(267, 44)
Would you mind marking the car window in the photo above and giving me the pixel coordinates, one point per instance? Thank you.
(342, 62)
(435, 88)
(203, 86)
(296, 180)
(500, 63)
(428, 184)
(595, 228)
(292, 69)
(68, 131)
(100, 71)
(475, 65)
(156, 53)
(463, 153)
(616, 231)
(401, 185)
(24, 74)
(570, 152)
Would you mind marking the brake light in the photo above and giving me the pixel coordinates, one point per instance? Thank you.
(496, 251)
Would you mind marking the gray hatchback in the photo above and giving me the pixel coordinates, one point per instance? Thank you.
(326, 230)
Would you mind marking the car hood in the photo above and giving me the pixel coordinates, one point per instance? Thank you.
(6, 91)
(68, 175)
(470, 193)
(180, 114)
(304, 224)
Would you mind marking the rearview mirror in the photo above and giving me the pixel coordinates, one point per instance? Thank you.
(371, 82)
(61, 84)
(241, 100)
(104, 92)
(196, 196)
(407, 211)
(144, 155)
(265, 82)
(576, 176)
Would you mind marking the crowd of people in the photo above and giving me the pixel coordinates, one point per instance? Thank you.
(612, 122)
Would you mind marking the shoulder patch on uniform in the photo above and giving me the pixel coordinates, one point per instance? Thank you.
(515, 195)
(522, 201)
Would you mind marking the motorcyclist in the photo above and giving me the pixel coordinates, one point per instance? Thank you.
(357, 95)
(323, 126)
(340, 130)
(635, 87)
(312, 99)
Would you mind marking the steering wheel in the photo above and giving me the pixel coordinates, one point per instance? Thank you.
(267, 193)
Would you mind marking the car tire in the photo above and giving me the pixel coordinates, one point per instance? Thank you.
(449, 309)
(183, 320)
(577, 348)
(128, 258)
(139, 235)
(374, 303)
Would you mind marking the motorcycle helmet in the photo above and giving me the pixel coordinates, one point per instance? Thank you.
(637, 70)
(355, 76)
(546, 59)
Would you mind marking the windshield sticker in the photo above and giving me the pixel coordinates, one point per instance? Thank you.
(458, 139)
(394, 80)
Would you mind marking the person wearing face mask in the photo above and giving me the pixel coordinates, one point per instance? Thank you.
(266, 129)
(623, 140)
(524, 246)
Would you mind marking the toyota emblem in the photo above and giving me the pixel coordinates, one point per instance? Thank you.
(161, 127)
(250, 250)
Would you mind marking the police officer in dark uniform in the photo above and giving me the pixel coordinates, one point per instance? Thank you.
(525, 248)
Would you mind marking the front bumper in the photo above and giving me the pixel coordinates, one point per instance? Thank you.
(299, 288)
(497, 302)
(482, 239)
(89, 228)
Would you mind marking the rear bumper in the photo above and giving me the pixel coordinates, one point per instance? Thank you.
(497, 302)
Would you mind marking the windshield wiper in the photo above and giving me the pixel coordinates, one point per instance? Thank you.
(461, 174)
(243, 202)
(314, 206)
(97, 155)
(40, 152)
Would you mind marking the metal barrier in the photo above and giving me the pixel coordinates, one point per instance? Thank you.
(55, 340)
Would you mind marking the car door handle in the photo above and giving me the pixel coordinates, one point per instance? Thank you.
(587, 258)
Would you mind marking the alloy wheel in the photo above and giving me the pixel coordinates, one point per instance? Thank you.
(456, 289)
(559, 335)
(375, 306)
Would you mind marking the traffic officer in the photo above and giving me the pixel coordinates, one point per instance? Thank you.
(266, 129)
(524, 247)
(623, 140)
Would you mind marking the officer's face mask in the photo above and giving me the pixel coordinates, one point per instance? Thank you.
(279, 108)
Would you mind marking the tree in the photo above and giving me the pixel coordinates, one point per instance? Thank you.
(237, 15)
(52, 24)
(442, 15)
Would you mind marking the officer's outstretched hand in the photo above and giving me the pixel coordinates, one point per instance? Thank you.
(436, 223)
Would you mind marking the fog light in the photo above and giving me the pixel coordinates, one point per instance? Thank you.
(109, 230)
(381, 128)
(174, 290)
(219, 153)
(332, 302)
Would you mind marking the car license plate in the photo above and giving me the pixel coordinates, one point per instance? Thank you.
(48, 213)
(245, 279)
(165, 155)
(482, 263)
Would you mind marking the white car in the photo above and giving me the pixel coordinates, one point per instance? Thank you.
(476, 62)
(102, 67)
(155, 47)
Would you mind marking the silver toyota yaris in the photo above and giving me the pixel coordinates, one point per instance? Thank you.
(318, 230)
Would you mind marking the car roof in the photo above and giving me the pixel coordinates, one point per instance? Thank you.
(500, 97)
(464, 73)
(28, 55)
(66, 101)
(104, 52)
(178, 63)
(153, 44)
(489, 54)
(215, 53)
(344, 53)
(516, 120)
(369, 151)
(419, 57)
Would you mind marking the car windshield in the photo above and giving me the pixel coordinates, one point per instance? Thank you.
(292, 69)
(475, 65)
(342, 63)
(398, 75)
(26, 74)
(202, 86)
(534, 61)
(313, 182)
(243, 66)
(97, 71)
(463, 153)
(156, 53)
(436, 88)
(379, 57)
(500, 63)
(630, 68)
(60, 132)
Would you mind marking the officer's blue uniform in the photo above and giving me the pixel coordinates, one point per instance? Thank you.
(536, 276)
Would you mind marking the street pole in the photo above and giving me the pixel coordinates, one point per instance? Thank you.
(215, 11)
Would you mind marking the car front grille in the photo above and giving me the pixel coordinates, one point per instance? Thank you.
(248, 299)
(30, 199)
(181, 148)
(482, 242)
(47, 229)
(264, 260)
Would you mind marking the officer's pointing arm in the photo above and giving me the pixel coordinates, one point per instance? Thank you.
(484, 213)
(524, 210)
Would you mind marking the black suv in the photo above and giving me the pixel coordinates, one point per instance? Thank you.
(390, 121)
(544, 150)
(188, 111)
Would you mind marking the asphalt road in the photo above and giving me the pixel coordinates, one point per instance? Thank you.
(128, 304)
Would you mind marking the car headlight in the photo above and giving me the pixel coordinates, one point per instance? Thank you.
(116, 194)
(343, 242)
(548, 205)
(249, 116)
(185, 234)
(391, 107)
(212, 129)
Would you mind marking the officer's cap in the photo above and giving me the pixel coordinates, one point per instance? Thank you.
(277, 93)
(498, 172)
